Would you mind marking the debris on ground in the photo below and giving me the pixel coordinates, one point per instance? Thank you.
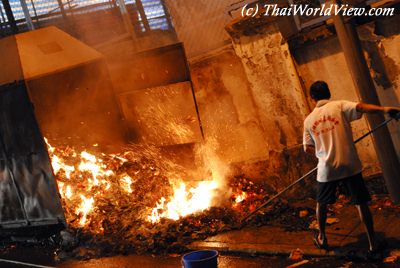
(303, 213)
(313, 225)
(298, 264)
(296, 255)
(331, 221)
(390, 259)
(394, 256)
(346, 265)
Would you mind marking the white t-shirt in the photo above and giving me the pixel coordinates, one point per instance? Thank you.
(328, 129)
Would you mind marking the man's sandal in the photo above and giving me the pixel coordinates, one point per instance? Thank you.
(377, 253)
(318, 244)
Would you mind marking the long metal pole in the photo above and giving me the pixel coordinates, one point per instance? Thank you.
(309, 173)
(278, 195)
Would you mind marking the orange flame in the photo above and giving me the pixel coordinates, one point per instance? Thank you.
(185, 202)
(83, 184)
(84, 209)
(240, 198)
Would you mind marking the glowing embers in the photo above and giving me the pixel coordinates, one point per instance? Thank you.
(96, 168)
(84, 209)
(101, 190)
(126, 183)
(185, 202)
(82, 179)
(240, 197)
(65, 192)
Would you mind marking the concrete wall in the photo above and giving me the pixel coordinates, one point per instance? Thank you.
(391, 47)
(227, 107)
(275, 85)
(251, 102)
(389, 52)
(200, 24)
(252, 98)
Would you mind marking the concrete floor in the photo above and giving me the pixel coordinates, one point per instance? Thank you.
(271, 244)
(148, 262)
(346, 237)
(175, 262)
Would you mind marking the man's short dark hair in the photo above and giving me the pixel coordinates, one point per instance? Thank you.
(320, 91)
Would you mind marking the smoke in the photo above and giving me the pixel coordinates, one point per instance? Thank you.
(79, 106)
(76, 107)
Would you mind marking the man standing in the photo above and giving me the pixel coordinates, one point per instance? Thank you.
(328, 135)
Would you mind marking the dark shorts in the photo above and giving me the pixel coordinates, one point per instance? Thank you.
(353, 187)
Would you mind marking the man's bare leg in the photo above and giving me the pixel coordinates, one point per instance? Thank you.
(321, 212)
(366, 218)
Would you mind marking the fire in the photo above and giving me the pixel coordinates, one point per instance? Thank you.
(90, 171)
(185, 202)
(65, 192)
(68, 192)
(93, 185)
(85, 208)
(126, 181)
(95, 167)
(240, 198)
(58, 164)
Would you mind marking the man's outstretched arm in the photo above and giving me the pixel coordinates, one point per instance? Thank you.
(372, 108)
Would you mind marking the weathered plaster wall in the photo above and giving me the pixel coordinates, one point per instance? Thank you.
(383, 54)
(227, 107)
(200, 24)
(391, 50)
(251, 101)
(275, 85)
(391, 96)
(251, 98)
